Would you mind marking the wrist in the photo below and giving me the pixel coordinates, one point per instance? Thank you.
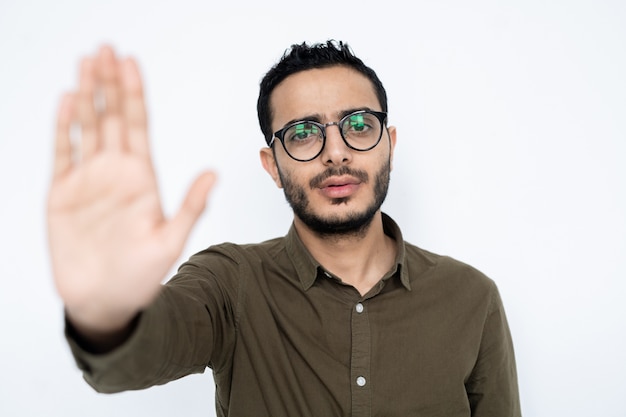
(102, 337)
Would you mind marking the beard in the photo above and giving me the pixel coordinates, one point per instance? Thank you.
(354, 223)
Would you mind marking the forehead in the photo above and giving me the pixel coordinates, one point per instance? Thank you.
(325, 92)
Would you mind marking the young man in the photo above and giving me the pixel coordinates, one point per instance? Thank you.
(339, 317)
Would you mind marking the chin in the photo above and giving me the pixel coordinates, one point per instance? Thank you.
(348, 222)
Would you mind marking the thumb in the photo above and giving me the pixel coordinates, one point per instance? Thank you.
(192, 207)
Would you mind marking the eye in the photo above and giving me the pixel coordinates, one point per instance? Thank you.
(302, 132)
(356, 122)
(360, 123)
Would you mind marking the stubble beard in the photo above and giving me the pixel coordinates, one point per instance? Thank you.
(352, 224)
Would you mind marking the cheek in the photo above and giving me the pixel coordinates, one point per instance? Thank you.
(284, 177)
(293, 178)
(283, 168)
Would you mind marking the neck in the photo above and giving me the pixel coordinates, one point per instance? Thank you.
(360, 259)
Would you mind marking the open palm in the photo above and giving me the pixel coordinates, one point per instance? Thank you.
(109, 241)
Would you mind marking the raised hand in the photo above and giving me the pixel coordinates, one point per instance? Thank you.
(110, 244)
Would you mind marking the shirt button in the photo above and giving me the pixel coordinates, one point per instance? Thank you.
(360, 381)
(359, 308)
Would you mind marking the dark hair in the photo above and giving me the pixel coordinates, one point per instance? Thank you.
(304, 57)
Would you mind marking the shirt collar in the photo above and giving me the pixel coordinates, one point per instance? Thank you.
(308, 268)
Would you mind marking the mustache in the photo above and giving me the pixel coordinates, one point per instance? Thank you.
(334, 171)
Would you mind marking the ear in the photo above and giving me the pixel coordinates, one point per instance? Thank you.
(392, 143)
(269, 164)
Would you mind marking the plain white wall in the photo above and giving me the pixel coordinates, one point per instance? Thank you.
(511, 156)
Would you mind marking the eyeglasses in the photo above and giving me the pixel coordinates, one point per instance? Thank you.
(304, 140)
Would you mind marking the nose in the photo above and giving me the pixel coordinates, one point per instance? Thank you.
(335, 151)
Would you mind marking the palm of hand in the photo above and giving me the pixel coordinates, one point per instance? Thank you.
(104, 219)
(110, 244)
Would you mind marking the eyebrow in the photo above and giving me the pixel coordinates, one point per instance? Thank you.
(317, 117)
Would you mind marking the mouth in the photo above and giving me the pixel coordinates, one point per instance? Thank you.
(339, 187)
(339, 183)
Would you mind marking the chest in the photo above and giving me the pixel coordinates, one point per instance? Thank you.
(396, 353)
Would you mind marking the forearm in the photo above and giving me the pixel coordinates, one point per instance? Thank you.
(156, 348)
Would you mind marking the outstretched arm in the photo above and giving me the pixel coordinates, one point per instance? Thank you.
(110, 243)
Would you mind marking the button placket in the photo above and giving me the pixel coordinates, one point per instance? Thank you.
(360, 361)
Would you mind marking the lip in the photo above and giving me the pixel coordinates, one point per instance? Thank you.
(339, 187)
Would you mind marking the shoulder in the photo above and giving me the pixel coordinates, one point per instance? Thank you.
(429, 269)
(231, 255)
(224, 268)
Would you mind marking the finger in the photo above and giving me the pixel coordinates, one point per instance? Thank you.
(63, 146)
(85, 109)
(110, 121)
(195, 201)
(112, 131)
(108, 79)
(134, 108)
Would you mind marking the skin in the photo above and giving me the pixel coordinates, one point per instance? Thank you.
(363, 255)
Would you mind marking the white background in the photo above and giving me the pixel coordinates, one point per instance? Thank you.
(511, 156)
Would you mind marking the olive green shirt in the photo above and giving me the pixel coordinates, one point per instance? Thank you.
(286, 338)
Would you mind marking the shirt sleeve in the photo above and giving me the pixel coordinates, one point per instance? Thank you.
(492, 386)
(190, 326)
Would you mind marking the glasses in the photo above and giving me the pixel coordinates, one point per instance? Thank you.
(304, 140)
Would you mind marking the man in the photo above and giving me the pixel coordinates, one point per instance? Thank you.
(339, 317)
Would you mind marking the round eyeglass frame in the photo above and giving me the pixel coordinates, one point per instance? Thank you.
(279, 134)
